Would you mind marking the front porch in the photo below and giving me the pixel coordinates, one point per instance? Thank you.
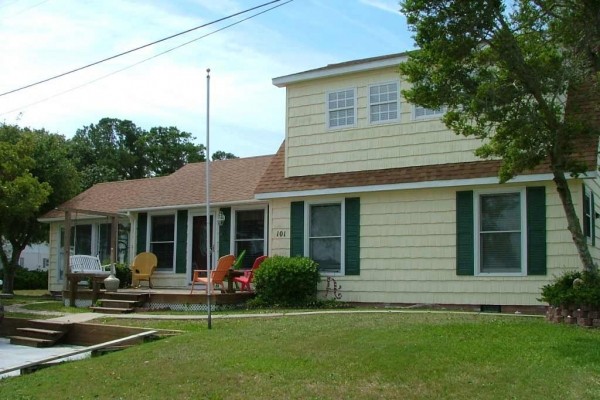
(171, 299)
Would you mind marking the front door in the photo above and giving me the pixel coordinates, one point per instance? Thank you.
(199, 242)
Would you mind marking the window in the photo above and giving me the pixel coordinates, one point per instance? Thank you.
(325, 236)
(588, 214)
(423, 113)
(500, 233)
(383, 102)
(250, 234)
(341, 108)
(162, 240)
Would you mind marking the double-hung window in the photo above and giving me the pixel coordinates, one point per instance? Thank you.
(325, 232)
(501, 231)
(162, 240)
(383, 102)
(250, 234)
(341, 108)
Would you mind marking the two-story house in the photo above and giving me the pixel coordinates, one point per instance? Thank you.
(390, 203)
(398, 208)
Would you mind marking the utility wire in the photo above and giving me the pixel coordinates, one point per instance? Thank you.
(138, 48)
(144, 60)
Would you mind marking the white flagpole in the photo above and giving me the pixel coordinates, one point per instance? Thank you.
(208, 231)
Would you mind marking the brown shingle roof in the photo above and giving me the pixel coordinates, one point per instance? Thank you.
(274, 181)
(231, 181)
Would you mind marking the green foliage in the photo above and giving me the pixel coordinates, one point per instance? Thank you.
(239, 261)
(285, 281)
(573, 288)
(222, 155)
(124, 274)
(28, 280)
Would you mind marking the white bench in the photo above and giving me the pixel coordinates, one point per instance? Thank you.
(88, 265)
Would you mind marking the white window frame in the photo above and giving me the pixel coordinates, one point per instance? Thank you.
(233, 224)
(307, 206)
(477, 232)
(190, 234)
(587, 196)
(435, 115)
(328, 110)
(387, 121)
(149, 238)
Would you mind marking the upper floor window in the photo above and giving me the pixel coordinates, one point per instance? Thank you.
(341, 107)
(383, 102)
(422, 112)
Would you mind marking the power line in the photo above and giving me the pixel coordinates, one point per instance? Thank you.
(144, 60)
(137, 48)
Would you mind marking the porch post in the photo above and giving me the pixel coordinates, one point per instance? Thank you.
(114, 245)
(67, 249)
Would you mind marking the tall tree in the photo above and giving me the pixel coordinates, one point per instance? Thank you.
(170, 149)
(504, 72)
(35, 177)
(222, 155)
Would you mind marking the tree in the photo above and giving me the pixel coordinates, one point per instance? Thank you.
(116, 149)
(221, 155)
(35, 177)
(504, 72)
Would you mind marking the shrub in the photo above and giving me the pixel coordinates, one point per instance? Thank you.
(285, 281)
(124, 274)
(573, 288)
(28, 280)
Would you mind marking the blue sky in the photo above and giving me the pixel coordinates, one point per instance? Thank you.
(39, 39)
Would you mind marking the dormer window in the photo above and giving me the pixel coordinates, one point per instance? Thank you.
(341, 106)
(383, 102)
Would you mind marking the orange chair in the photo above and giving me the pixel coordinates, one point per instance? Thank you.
(246, 280)
(217, 275)
(142, 268)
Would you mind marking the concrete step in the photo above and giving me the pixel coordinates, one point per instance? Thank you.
(117, 303)
(31, 342)
(41, 333)
(112, 310)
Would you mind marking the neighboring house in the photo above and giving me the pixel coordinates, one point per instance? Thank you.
(398, 209)
(390, 203)
(167, 216)
(33, 257)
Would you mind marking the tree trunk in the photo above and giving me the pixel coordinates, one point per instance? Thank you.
(9, 279)
(573, 222)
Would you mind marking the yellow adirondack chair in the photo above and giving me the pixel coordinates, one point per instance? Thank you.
(142, 268)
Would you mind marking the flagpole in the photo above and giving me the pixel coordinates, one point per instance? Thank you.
(208, 231)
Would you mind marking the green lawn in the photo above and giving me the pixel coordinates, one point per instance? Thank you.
(347, 356)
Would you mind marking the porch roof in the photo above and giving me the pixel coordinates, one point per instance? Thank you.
(232, 181)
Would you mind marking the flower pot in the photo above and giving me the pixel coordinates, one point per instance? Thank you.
(111, 283)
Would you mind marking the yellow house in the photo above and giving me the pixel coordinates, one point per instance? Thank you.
(397, 208)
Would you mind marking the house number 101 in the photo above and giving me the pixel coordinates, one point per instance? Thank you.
(280, 234)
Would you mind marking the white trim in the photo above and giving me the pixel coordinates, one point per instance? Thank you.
(334, 201)
(476, 230)
(233, 226)
(190, 239)
(285, 80)
(354, 108)
(412, 185)
(369, 104)
(149, 238)
(190, 206)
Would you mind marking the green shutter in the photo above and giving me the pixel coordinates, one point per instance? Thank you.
(181, 251)
(536, 230)
(593, 221)
(352, 240)
(142, 227)
(465, 245)
(297, 229)
(225, 234)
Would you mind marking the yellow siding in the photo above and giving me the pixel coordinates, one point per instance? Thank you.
(408, 251)
(312, 148)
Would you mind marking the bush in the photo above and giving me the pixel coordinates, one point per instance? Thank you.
(573, 288)
(124, 274)
(28, 280)
(285, 281)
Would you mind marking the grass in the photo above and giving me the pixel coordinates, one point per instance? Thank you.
(37, 300)
(358, 356)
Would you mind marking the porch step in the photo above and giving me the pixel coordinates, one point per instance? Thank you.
(140, 297)
(31, 342)
(119, 303)
(112, 310)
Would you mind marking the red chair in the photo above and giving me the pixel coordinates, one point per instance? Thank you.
(246, 280)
